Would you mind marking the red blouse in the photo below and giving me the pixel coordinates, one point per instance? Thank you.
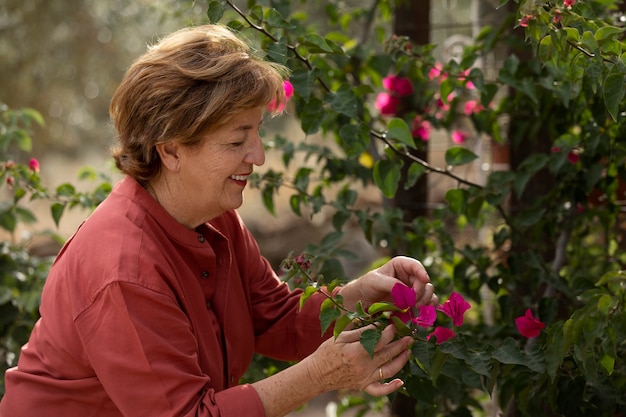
(141, 316)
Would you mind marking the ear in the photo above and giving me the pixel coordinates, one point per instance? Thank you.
(169, 154)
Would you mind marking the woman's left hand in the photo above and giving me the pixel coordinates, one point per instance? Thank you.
(376, 285)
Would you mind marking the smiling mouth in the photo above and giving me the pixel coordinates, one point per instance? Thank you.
(239, 177)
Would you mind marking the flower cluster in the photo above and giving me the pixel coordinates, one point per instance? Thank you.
(529, 15)
(404, 298)
(455, 307)
(397, 87)
(12, 170)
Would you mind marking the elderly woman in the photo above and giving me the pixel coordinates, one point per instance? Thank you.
(157, 303)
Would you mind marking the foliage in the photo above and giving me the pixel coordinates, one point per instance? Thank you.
(557, 101)
(555, 250)
(22, 272)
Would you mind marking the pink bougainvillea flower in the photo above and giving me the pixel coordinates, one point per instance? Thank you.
(421, 128)
(445, 105)
(441, 334)
(399, 85)
(568, 3)
(528, 325)
(33, 164)
(523, 22)
(573, 157)
(303, 261)
(472, 106)
(458, 136)
(288, 87)
(437, 72)
(455, 308)
(426, 317)
(404, 298)
(557, 17)
(386, 103)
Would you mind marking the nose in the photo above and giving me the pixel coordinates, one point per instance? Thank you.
(256, 155)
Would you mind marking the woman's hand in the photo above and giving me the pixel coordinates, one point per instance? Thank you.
(376, 285)
(343, 363)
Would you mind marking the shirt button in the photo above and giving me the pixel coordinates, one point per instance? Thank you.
(208, 304)
(204, 274)
(201, 239)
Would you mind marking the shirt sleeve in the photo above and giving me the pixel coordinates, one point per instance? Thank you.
(144, 353)
(283, 331)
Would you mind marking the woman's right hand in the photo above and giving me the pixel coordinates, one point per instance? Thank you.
(343, 363)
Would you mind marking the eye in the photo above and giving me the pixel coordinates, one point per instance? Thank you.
(237, 143)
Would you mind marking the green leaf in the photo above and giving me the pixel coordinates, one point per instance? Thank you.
(328, 315)
(415, 172)
(25, 215)
(308, 292)
(8, 220)
(354, 139)
(545, 48)
(302, 81)
(344, 101)
(57, 211)
(608, 364)
(369, 340)
(66, 190)
(277, 52)
(340, 324)
(510, 353)
(613, 89)
(386, 176)
(294, 202)
(215, 11)
(268, 199)
(33, 116)
(315, 43)
(398, 130)
(459, 156)
(607, 32)
(457, 200)
(380, 307)
(439, 359)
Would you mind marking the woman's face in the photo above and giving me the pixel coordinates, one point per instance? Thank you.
(214, 173)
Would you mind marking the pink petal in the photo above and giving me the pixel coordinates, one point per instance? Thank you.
(528, 325)
(426, 317)
(386, 103)
(403, 297)
(455, 308)
(441, 334)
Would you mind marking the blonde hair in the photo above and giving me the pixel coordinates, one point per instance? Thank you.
(191, 82)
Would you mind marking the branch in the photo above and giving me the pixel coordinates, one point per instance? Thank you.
(292, 48)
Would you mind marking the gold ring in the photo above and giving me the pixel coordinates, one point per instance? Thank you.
(380, 373)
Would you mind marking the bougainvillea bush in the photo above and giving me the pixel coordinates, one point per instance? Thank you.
(545, 334)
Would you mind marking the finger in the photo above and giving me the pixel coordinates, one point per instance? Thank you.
(386, 336)
(426, 295)
(350, 336)
(395, 351)
(408, 270)
(378, 389)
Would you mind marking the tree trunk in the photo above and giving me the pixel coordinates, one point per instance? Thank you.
(412, 19)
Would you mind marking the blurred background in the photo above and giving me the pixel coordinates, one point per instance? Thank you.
(64, 58)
